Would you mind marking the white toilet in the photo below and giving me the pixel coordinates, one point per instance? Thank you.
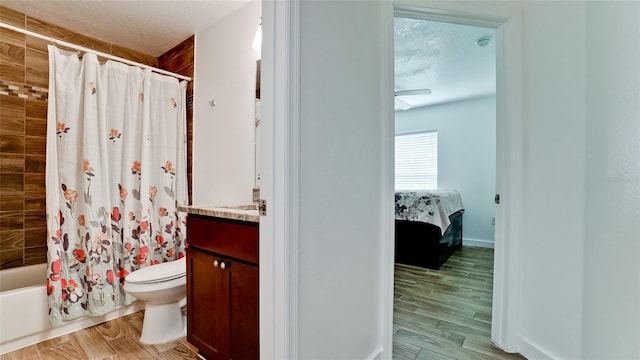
(161, 287)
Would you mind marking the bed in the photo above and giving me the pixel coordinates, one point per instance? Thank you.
(428, 227)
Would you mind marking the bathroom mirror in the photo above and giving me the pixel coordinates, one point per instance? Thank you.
(257, 129)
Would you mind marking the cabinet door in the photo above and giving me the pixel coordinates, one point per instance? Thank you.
(207, 305)
(243, 285)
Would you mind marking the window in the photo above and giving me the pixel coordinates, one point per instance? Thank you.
(416, 157)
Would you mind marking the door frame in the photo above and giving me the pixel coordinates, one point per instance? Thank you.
(509, 156)
(279, 184)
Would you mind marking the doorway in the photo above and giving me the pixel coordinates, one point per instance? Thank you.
(450, 71)
(508, 153)
(445, 84)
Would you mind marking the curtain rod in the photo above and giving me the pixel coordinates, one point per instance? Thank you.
(84, 49)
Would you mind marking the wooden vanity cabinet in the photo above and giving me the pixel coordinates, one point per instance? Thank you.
(222, 287)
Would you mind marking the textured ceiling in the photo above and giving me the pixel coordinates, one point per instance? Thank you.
(149, 26)
(442, 57)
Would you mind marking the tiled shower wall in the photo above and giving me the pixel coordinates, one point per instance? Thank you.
(24, 75)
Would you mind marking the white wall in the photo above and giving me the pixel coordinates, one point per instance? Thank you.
(554, 166)
(466, 157)
(223, 151)
(340, 241)
(612, 241)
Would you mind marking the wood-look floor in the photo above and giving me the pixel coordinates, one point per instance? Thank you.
(440, 315)
(115, 339)
(446, 314)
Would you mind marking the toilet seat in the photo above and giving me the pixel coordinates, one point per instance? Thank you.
(159, 273)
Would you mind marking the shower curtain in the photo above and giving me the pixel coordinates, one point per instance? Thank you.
(115, 173)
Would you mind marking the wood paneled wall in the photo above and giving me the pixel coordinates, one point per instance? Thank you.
(180, 60)
(24, 82)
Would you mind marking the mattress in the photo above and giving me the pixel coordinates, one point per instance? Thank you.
(429, 206)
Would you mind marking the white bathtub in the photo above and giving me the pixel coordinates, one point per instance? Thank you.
(24, 317)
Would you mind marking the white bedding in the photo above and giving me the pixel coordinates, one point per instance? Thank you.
(430, 206)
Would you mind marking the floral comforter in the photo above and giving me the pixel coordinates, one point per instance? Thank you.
(430, 206)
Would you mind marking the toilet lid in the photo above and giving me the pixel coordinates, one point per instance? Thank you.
(158, 273)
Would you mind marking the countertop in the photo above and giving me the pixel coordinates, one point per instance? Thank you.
(242, 212)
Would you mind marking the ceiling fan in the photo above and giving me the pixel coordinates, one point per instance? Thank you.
(403, 105)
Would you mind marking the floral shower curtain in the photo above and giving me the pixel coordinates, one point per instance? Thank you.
(115, 173)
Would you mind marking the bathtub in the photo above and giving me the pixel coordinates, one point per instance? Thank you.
(24, 317)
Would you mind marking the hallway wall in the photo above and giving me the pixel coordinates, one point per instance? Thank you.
(612, 232)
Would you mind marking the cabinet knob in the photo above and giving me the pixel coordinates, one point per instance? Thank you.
(215, 263)
(223, 265)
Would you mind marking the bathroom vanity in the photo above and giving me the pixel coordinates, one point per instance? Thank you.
(222, 281)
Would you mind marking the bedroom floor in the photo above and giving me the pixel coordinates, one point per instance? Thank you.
(115, 339)
(446, 314)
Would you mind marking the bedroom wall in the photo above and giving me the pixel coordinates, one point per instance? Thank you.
(225, 70)
(466, 157)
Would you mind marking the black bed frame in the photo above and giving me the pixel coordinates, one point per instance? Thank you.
(419, 243)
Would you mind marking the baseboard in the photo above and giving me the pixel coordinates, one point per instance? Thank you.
(477, 243)
(533, 351)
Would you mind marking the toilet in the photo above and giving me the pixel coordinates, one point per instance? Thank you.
(162, 288)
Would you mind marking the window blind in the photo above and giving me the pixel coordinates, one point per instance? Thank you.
(416, 161)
